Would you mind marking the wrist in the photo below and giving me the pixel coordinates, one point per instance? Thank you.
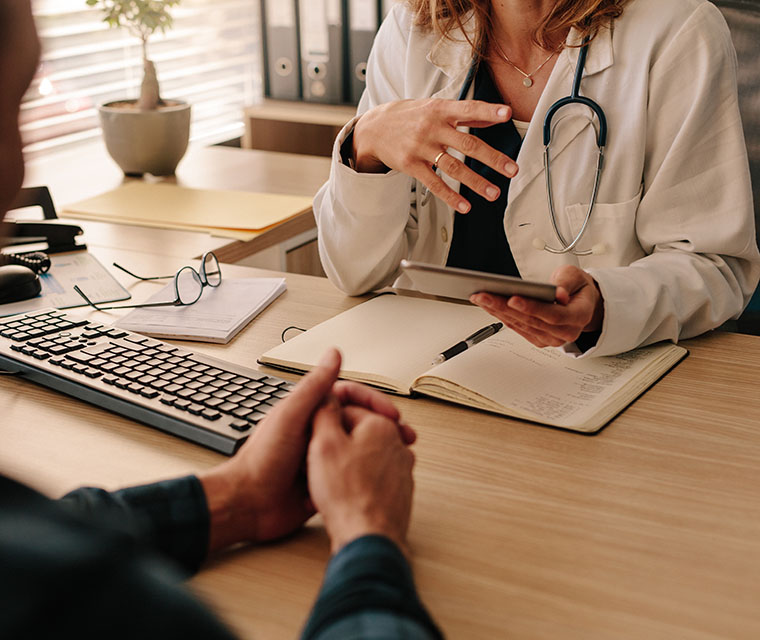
(353, 529)
(597, 317)
(228, 524)
(363, 157)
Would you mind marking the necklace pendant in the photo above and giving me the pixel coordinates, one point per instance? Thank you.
(528, 82)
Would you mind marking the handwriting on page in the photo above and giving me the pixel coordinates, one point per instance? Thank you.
(544, 384)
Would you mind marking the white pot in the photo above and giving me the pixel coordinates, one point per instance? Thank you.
(146, 141)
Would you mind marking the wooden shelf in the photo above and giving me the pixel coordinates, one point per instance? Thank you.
(294, 127)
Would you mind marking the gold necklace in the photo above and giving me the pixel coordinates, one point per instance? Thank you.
(527, 77)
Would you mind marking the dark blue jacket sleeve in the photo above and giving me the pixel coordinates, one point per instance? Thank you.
(369, 593)
(168, 517)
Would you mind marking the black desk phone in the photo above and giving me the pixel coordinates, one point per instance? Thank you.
(19, 272)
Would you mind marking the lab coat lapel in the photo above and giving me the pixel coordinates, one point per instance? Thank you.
(530, 159)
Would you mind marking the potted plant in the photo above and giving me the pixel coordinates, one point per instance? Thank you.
(147, 135)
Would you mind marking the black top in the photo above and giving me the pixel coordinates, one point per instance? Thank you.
(479, 241)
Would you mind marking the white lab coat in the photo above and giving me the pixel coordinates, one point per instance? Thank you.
(673, 225)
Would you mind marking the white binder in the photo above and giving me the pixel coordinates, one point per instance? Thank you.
(322, 50)
(281, 54)
(363, 19)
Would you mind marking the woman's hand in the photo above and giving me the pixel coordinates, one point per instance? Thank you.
(579, 307)
(409, 135)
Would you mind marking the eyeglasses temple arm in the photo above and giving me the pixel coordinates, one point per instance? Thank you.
(134, 275)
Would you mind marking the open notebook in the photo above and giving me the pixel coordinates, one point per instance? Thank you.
(391, 341)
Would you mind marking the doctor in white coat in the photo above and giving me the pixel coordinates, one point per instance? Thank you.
(670, 248)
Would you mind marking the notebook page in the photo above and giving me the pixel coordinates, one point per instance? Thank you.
(388, 340)
(544, 385)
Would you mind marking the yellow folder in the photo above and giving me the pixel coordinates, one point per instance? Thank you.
(230, 214)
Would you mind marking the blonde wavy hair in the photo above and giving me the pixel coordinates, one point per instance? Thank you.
(447, 16)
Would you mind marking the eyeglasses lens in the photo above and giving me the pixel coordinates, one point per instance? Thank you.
(211, 270)
(189, 285)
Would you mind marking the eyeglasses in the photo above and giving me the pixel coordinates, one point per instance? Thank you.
(188, 284)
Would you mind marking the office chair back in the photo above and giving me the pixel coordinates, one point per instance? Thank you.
(743, 18)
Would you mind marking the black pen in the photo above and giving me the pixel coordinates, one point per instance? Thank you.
(478, 336)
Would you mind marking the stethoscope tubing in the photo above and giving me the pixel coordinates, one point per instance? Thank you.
(601, 139)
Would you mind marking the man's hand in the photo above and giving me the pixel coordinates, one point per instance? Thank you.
(261, 493)
(360, 474)
(579, 307)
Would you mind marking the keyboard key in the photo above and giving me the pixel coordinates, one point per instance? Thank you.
(210, 414)
(196, 409)
(109, 379)
(92, 373)
(149, 393)
(214, 402)
(200, 397)
(256, 417)
(227, 407)
(135, 388)
(240, 425)
(168, 399)
(275, 382)
(181, 403)
(242, 412)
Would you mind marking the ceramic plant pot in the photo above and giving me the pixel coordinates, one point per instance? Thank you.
(142, 141)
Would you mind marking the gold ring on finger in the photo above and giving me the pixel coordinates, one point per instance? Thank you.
(437, 158)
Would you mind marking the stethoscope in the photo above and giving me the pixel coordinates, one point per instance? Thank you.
(601, 140)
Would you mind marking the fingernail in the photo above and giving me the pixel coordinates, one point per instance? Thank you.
(484, 299)
(463, 207)
(502, 112)
(492, 193)
(510, 169)
(516, 303)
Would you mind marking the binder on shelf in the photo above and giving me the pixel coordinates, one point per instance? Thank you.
(322, 50)
(282, 77)
(363, 20)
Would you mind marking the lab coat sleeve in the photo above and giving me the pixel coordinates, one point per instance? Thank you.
(366, 221)
(695, 220)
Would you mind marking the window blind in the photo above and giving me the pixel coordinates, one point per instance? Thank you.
(209, 58)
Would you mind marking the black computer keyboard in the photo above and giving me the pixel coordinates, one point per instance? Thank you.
(209, 401)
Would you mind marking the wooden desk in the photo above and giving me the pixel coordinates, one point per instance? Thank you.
(86, 172)
(650, 529)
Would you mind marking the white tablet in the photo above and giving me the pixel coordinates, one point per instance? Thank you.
(452, 282)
